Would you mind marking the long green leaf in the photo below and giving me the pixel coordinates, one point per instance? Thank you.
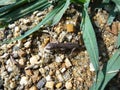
(60, 14)
(108, 72)
(90, 39)
(112, 68)
(6, 2)
(25, 10)
(47, 19)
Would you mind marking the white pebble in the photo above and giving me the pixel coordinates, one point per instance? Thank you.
(27, 44)
(91, 67)
(58, 59)
(24, 80)
(67, 63)
(63, 70)
(34, 59)
(9, 69)
(17, 29)
(50, 84)
(40, 14)
(11, 26)
(68, 85)
(48, 78)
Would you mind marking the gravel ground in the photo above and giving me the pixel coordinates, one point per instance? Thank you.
(39, 63)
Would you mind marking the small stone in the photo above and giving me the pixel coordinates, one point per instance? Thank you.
(40, 14)
(91, 67)
(110, 48)
(35, 78)
(59, 76)
(58, 85)
(70, 27)
(63, 70)
(42, 70)
(26, 21)
(15, 55)
(67, 63)
(12, 84)
(9, 69)
(50, 84)
(68, 85)
(17, 29)
(11, 26)
(41, 83)
(27, 44)
(34, 59)
(24, 80)
(33, 88)
(35, 12)
(58, 59)
(16, 34)
(22, 61)
(28, 72)
(48, 78)
(21, 53)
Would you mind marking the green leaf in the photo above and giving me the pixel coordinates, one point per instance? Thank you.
(79, 1)
(22, 11)
(117, 2)
(90, 39)
(108, 72)
(97, 83)
(59, 15)
(111, 68)
(6, 2)
(105, 1)
(47, 19)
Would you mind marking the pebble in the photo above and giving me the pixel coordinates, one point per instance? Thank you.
(41, 83)
(58, 59)
(70, 27)
(58, 85)
(40, 14)
(10, 69)
(12, 84)
(110, 48)
(68, 85)
(48, 78)
(15, 54)
(50, 84)
(22, 61)
(33, 88)
(35, 78)
(17, 29)
(21, 53)
(59, 76)
(91, 67)
(34, 59)
(68, 63)
(11, 26)
(42, 70)
(28, 72)
(27, 44)
(62, 36)
(63, 70)
(24, 80)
